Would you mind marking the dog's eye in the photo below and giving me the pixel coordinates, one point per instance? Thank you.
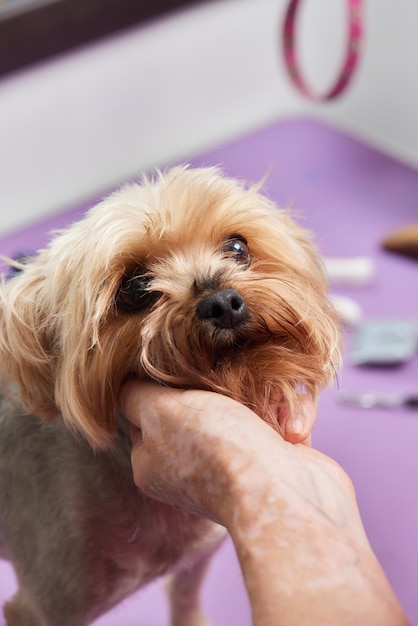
(134, 293)
(236, 247)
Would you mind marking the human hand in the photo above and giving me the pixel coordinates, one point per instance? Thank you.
(291, 511)
(192, 448)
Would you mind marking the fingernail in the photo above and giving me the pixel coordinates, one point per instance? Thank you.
(299, 424)
(295, 425)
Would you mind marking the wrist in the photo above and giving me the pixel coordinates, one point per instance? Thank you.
(316, 570)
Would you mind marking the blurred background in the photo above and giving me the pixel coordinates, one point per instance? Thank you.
(92, 92)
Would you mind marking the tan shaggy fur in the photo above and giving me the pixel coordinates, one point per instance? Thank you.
(68, 341)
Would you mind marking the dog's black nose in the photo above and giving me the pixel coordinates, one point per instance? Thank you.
(225, 309)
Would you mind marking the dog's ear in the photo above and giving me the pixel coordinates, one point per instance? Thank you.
(51, 359)
(93, 365)
(26, 346)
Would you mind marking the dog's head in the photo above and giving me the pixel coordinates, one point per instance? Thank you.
(191, 279)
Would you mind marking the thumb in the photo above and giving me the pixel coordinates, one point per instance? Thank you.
(297, 425)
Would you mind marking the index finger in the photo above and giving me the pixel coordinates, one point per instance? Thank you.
(141, 400)
(147, 402)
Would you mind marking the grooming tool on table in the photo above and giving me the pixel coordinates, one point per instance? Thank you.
(384, 341)
(349, 271)
(369, 400)
(348, 310)
(403, 241)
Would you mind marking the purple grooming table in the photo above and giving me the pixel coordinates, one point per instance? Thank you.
(351, 196)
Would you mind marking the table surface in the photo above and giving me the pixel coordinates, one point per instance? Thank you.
(351, 196)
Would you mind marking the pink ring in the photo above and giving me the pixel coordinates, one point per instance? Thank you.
(355, 34)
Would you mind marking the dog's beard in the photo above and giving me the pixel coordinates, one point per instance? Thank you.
(263, 363)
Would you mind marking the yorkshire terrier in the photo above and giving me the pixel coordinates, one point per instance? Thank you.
(191, 279)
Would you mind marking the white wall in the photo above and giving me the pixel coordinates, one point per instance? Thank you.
(81, 123)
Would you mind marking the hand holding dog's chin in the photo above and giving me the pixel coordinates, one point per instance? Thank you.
(192, 448)
(291, 511)
(205, 453)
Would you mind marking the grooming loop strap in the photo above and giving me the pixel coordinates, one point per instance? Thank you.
(355, 34)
